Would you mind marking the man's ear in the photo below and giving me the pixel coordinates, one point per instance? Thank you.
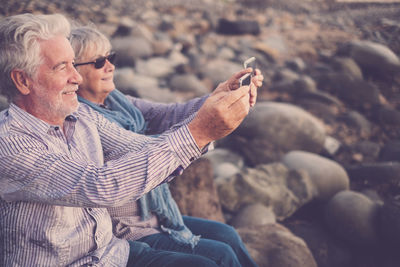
(21, 81)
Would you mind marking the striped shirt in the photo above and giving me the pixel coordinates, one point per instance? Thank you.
(55, 186)
(127, 220)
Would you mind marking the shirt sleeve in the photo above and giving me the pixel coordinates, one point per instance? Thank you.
(160, 116)
(133, 165)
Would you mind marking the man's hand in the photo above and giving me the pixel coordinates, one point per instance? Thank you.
(220, 114)
(233, 83)
(225, 108)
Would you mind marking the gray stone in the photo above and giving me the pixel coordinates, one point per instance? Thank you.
(188, 83)
(225, 170)
(195, 193)
(273, 245)
(238, 27)
(272, 129)
(387, 116)
(347, 66)
(272, 185)
(369, 150)
(296, 64)
(352, 216)
(358, 121)
(325, 248)
(218, 156)
(390, 151)
(372, 56)
(219, 70)
(253, 215)
(327, 176)
(157, 67)
(376, 174)
(355, 92)
(130, 49)
(141, 86)
(389, 222)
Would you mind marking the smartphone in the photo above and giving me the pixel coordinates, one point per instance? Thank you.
(248, 63)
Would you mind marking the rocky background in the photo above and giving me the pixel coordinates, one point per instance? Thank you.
(312, 176)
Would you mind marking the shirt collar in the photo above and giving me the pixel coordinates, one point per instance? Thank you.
(29, 121)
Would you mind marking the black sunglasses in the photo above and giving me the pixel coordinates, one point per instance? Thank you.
(100, 62)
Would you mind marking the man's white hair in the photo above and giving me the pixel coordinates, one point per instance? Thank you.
(19, 44)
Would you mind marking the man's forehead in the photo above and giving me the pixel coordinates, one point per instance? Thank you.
(56, 49)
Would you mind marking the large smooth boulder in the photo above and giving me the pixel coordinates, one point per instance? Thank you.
(327, 250)
(131, 49)
(253, 215)
(372, 57)
(273, 245)
(272, 185)
(327, 176)
(353, 217)
(272, 129)
(195, 193)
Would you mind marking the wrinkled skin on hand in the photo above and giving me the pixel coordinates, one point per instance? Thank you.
(225, 108)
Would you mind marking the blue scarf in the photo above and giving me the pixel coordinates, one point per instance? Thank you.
(159, 200)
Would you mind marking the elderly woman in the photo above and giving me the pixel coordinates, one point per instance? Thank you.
(155, 218)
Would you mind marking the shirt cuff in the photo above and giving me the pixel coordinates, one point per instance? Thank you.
(184, 145)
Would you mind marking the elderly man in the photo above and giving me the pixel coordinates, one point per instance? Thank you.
(63, 163)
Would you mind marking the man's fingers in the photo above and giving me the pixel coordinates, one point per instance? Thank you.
(241, 73)
(234, 96)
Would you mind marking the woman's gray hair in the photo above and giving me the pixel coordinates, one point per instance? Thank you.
(19, 44)
(88, 39)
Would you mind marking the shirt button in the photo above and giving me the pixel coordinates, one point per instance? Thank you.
(191, 159)
(56, 128)
(89, 209)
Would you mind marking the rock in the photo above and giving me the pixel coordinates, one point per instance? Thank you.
(386, 116)
(273, 245)
(372, 57)
(157, 67)
(130, 49)
(272, 185)
(141, 86)
(162, 46)
(272, 129)
(327, 176)
(355, 92)
(126, 24)
(286, 75)
(220, 156)
(219, 70)
(331, 145)
(225, 170)
(296, 64)
(238, 27)
(390, 151)
(195, 193)
(378, 174)
(347, 66)
(298, 86)
(188, 83)
(253, 215)
(358, 121)
(389, 223)
(305, 84)
(326, 249)
(353, 217)
(373, 196)
(369, 150)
